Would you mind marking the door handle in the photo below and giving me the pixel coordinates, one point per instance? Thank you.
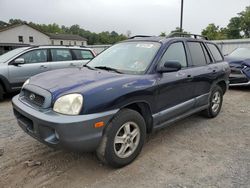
(43, 66)
(180, 74)
(72, 64)
(213, 69)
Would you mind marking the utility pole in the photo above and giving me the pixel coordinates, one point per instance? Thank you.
(181, 22)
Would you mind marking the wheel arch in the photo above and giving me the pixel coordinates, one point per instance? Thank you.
(144, 109)
(222, 85)
(5, 84)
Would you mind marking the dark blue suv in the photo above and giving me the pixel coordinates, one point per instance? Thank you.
(133, 88)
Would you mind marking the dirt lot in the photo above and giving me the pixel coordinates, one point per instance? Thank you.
(196, 152)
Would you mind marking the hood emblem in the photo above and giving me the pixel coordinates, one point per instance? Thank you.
(32, 96)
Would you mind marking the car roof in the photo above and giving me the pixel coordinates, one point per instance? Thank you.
(58, 46)
(174, 36)
(164, 40)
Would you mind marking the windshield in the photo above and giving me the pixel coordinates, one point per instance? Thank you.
(8, 55)
(240, 53)
(127, 57)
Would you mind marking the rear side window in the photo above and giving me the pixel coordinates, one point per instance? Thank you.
(215, 52)
(208, 58)
(175, 52)
(61, 55)
(197, 54)
(35, 56)
(83, 54)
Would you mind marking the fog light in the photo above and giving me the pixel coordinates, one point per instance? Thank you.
(56, 135)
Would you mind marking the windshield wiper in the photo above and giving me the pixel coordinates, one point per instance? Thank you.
(108, 69)
(86, 65)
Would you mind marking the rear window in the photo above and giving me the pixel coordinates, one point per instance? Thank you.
(83, 54)
(61, 55)
(215, 52)
(197, 54)
(208, 58)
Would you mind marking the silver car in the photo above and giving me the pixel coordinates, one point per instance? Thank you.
(18, 65)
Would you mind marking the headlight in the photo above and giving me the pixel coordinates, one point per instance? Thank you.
(26, 82)
(69, 104)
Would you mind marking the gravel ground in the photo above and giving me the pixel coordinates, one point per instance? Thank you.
(195, 152)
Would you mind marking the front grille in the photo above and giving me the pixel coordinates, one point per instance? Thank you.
(33, 98)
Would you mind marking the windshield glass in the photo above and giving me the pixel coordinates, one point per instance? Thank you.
(127, 57)
(240, 53)
(5, 57)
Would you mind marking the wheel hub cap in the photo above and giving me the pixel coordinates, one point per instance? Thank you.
(127, 139)
(216, 100)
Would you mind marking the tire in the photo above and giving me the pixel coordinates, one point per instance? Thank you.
(215, 103)
(117, 137)
(1, 92)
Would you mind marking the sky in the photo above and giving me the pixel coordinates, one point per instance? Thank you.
(147, 17)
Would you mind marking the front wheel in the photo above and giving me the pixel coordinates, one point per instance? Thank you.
(1, 92)
(123, 139)
(215, 103)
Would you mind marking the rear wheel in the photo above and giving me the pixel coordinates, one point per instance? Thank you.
(215, 103)
(1, 92)
(123, 139)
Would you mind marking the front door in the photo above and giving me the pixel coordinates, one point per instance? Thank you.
(35, 62)
(176, 89)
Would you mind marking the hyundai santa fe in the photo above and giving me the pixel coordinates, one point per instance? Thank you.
(131, 89)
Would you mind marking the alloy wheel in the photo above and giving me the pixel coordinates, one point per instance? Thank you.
(127, 139)
(216, 100)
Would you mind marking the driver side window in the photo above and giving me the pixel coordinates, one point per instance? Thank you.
(175, 52)
(35, 56)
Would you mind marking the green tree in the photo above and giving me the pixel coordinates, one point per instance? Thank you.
(163, 34)
(177, 29)
(75, 29)
(234, 28)
(212, 32)
(16, 21)
(245, 22)
(237, 27)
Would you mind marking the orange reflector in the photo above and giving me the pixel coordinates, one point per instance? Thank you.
(99, 124)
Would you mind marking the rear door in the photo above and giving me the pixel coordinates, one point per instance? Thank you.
(61, 58)
(35, 62)
(203, 75)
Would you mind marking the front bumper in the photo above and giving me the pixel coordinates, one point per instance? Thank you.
(76, 133)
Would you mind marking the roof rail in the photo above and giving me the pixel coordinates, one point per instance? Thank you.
(139, 36)
(35, 46)
(180, 34)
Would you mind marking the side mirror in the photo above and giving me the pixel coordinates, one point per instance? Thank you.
(169, 66)
(18, 61)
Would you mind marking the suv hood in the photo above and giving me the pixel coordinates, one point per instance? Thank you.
(63, 80)
(238, 61)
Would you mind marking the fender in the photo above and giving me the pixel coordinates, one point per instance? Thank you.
(4, 81)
